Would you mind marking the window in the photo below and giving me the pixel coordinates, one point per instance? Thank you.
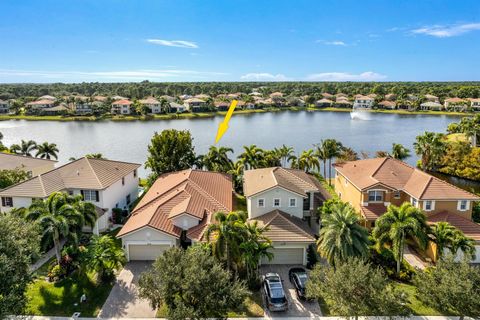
(463, 205)
(276, 202)
(375, 196)
(396, 194)
(123, 181)
(135, 173)
(428, 205)
(128, 199)
(261, 203)
(292, 202)
(7, 202)
(70, 192)
(413, 201)
(90, 195)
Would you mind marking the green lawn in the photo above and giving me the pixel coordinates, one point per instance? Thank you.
(58, 299)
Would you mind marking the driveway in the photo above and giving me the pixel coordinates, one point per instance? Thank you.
(296, 307)
(123, 301)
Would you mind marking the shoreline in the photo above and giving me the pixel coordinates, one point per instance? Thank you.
(198, 115)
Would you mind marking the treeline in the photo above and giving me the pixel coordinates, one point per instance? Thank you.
(146, 88)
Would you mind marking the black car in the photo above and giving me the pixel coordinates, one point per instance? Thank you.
(298, 277)
(274, 293)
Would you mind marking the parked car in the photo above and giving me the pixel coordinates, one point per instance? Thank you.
(298, 277)
(274, 292)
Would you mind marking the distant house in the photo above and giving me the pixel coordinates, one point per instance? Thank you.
(121, 107)
(343, 102)
(256, 94)
(221, 105)
(185, 96)
(412, 97)
(4, 107)
(195, 104)
(341, 95)
(168, 98)
(363, 102)
(327, 95)
(455, 104)
(40, 104)
(390, 97)
(250, 106)
(60, 109)
(276, 95)
(117, 97)
(432, 98)
(84, 107)
(47, 97)
(152, 104)
(386, 104)
(202, 96)
(475, 104)
(240, 104)
(323, 103)
(33, 166)
(105, 183)
(430, 105)
(232, 96)
(100, 98)
(175, 107)
(372, 95)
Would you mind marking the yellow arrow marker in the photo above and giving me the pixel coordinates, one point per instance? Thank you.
(223, 126)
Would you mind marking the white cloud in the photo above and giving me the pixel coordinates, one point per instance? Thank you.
(333, 43)
(174, 43)
(442, 31)
(344, 76)
(263, 77)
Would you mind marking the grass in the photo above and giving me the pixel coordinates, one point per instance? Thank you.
(457, 137)
(58, 299)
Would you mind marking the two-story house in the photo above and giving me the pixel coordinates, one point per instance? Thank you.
(475, 104)
(284, 200)
(32, 166)
(371, 185)
(194, 104)
(105, 183)
(40, 104)
(363, 102)
(153, 104)
(175, 211)
(455, 104)
(4, 107)
(121, 106)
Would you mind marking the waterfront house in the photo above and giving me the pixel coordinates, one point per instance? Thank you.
(221, 105)
(284, 200)
(121, 106)
(4, 107)
(323, 103)
(390, 97)
(105, 183)
(371, 185)
(430, 105)
(195, 104)
(475, 104)
(40, 104)
(32, 166)
(175, 211)
(363, 102)
(455, 104)
(152, 104)
(256, 94)
(60, 109)
(82, 107)
(343, 102)
(232, 96)
(250, 106)
(432, 98)
(177, 108)
(387, 104)
(47, 97)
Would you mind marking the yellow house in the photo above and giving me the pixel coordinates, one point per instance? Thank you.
(371, 185)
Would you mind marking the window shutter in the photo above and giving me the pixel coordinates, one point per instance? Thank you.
(97, 196)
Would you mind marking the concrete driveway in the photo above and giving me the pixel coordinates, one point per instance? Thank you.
(123, 301)
(296, 307)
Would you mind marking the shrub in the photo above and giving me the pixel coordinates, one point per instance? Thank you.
(56, 273)
(312, 256)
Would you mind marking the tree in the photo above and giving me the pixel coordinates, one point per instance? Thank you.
(25, 148)
(348, 154)
(11, 177)
(47, 151)
(398, 224)
(2, 146)
(355, 288)
(285, 153)
(18, 246)
(254, 247)
(327, 150)
(95, 156)
(448, 237)
(217, 159)
(400, 152)
(430, 147)
(251, 157)
(341, 235)
(308, 161)
(170, 151)
(450, 287)
(105, 256)
(192, 285)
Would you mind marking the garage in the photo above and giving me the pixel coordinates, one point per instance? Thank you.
(286, 256)
(146, 251)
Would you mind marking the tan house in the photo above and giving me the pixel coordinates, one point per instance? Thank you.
(33, 166)
(475, 104)
(371, 185)
(121, 106)
(432, 98)
(153, 104)
(387, 104)
(175, 211)
(194, 104)
(455, 104)
(41, 104)
(323, 103)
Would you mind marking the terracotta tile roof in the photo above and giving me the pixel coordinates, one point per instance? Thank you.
(297, 181)
(195, 100)
(398, 175)
(327, 95)
(324, 100)
(373, 211)
(193, 192)
(454, 100)
(284, 227)
(84, 173)
(474, 99)
(10, 161)
(468, 227)
(149, 100)
(276, 94)
(196, 233)
(361, 97)
(387, 103)
(125, 102)
(221, 104)
(40, 102)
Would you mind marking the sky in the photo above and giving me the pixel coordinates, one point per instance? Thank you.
(239, 40)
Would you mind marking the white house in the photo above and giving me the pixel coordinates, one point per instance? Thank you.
(363, 102)
(105, 183)
(283, 199)
(475, 104)
(4, 106)
(153, 104)
(175, 107)
(33, 166)
(121, 106)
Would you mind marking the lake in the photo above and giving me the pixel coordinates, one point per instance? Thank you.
(127, 141)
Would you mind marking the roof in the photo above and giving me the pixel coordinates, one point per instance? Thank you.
(297, 181)
(360, 97)
(123, 102)
(387, 103)
(47, 97)
(324, 101)
(60, 107)
(194, 100)
(41, 102)
(474, 99)
(276, 94)
(453, 100)
(398, 175)
(12, 161)
(193, 192)
(373, 211)
(149, 100)
(284, 227)
(468, 227)
(84, 173)
(431, 104)
(430, 96)
(176, 105)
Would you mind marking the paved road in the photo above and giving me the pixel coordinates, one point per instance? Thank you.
(123, 301)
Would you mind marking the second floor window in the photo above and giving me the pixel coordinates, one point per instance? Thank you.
(396, 194)
(292, 202)
(123, 181)
(90, 195)
(276, 202)
(428, 205)
(463, 205)
(375, 196)
(261, 203)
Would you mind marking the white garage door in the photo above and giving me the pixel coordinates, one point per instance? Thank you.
(146, 252)
(286, 256)
(477, 255)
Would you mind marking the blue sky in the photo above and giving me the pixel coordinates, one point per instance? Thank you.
(239, 40)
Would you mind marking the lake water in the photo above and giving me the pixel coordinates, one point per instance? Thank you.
(127, 141)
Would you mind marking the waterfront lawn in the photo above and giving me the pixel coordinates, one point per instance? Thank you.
(59, 299)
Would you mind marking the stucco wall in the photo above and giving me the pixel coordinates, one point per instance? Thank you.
(185, 221)
(348, 192)
(282, 194)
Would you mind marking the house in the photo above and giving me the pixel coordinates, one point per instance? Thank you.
(168, 98)
(175, 211)
(343, 102)
(84, 107)
(105, 183)
(153, 104)
(323, 103)
(117, 97)
(387, 104)
(202, 96)
(221, 105)
(371, 185)
(276, 95)
(121, 106)
(47, 97)
(363, 102)
(432, 98)
(4, 107)
(455, 104)
(341, 95)
(475, 104)
(100, 98)
(390, 97)
(40, 104)
(284, 199)
(175, 107)
(33, 166)
(250, 106)
(430, 105)
(60, 109)
(328, 96)
(194, 104)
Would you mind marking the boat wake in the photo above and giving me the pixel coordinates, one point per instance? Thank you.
(360, 115)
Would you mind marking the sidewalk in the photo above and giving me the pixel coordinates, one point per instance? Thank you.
(47, 256)
(413, 259)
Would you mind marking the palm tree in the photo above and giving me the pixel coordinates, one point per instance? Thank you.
(251, 157)
(348, 154)
(254, 247)
(217, 159)
(285, 153)
(398, 224)
(95, 156)
(430, 147)
(47, 151)
(308, 160)
(341, 235)
(104, 257)
(327, 150)
(381, 154)
(25, 148)
(400, 152)
(444, 233)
